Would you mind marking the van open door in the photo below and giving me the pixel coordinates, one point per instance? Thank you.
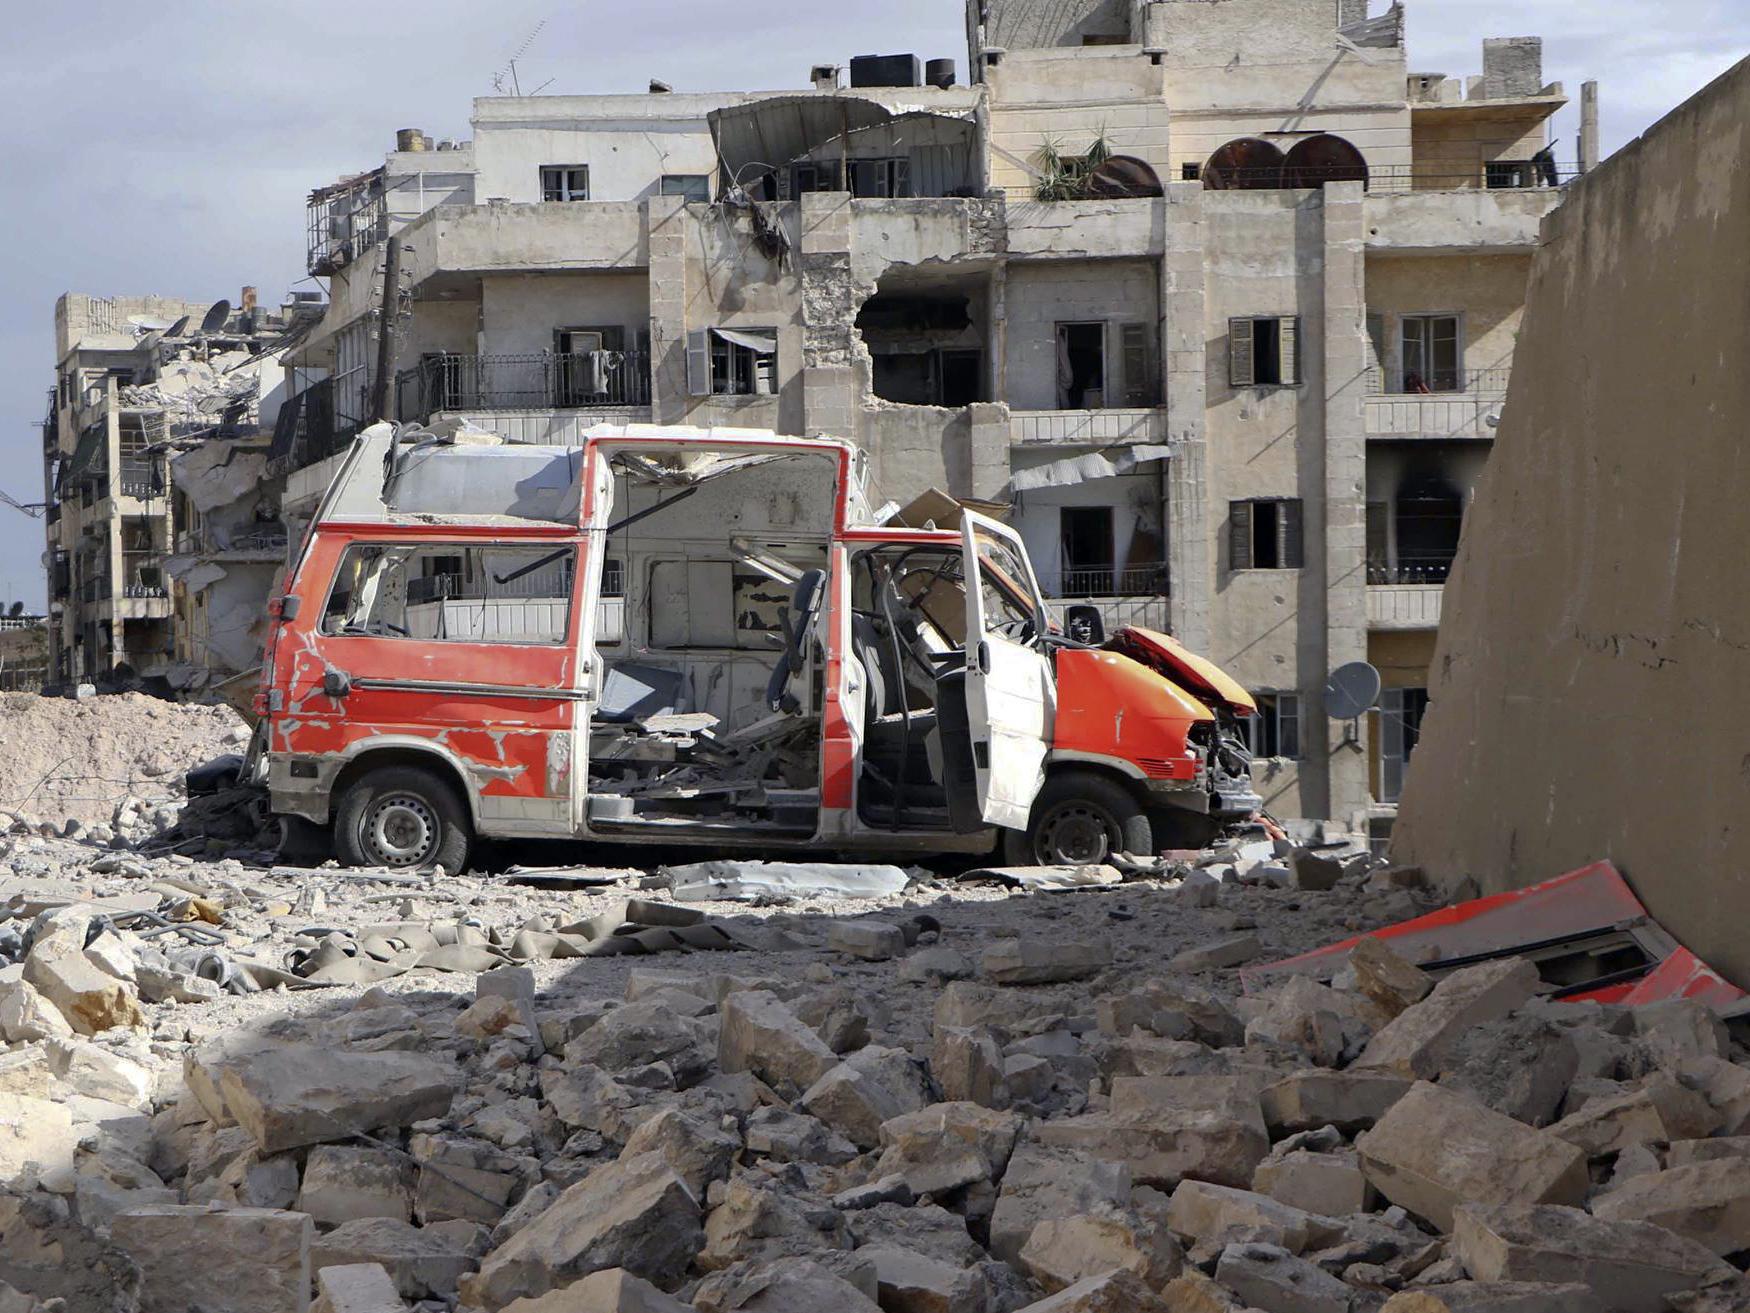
(1011, 694)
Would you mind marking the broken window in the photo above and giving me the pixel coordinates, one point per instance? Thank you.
(1081, 366)
(814, 175)
(451, 593)
(1400, 723)
(1141, 370)
(1266, 534)
(696, 187)
(1275, 730)
(565, 182)
(881, 178)
(1264, 351)
(1089, 553)
(1431, 353)
(732, 362)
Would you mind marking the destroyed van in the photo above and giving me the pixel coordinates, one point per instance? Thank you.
(705, 637)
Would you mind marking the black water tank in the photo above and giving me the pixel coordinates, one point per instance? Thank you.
(939, 73)
(886, 71)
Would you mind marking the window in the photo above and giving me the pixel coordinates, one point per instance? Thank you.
(1087, 544)
(819, 175)
(1275, 730)
(1400, 722)
(1265, 534)
(1142, 384)
(1081, 366)
(452, 593)
(587, 365)
(565, 182)
(696, 187)
(1264, 352)
(732, 362)
(1191, 170)
(881, 178)
(1431, 353)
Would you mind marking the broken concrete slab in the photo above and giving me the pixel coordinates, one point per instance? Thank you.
(1388, 979)
(1064, 1250)
(1329, 1184)
(91, 1000)
(613, 1290)
(1042, 962)
(356, 1288)
(343, 1183)
(1201, 1211)
(1707, 1202)
(792, 1285)
(1415, 1042)
(1112, 1292)
(1657, 1113)
(948, 1145)
(1308, 1021)
(1629, 1265)
(1521, 1065)
(869, 939)
(1349, 1100)
(295, 1095)
(1181, 1011)
(36, 1138)
(871, 1086)
(909, 1282)
(757, 1219)
(794, 1137)
(1166, 1147)
(1313, 873)
(1436, 1149)
(423, 1262)
(239, 1260)
(462, 1179)
(101, 1073)
(759, 1033)
(968, 1066)
(635, 1213)
(1231, 951)
(1042, 1181)
(1271, 1278)
(26, 1016)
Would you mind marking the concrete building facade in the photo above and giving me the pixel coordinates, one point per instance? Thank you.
(1218, 301)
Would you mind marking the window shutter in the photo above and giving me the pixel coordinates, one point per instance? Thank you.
(1289, 329)
(1391, 750)
(699, 363)
(1290, 533)
(1288, 725)
(1239, 522)
(902, 177)
(1239, 352)
(1139, 369)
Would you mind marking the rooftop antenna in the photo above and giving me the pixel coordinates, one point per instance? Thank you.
(508, 72)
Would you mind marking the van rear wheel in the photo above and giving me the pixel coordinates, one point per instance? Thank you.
(404, 818)
(1080, 819)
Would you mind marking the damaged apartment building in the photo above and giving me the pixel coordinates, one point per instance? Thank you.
(163, 533)
(1216, 301)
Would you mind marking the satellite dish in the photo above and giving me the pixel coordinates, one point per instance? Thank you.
(1352, 690)
(1123, 177)
(216, 317)
(148, 323)
(1247, 164)
(178, 328)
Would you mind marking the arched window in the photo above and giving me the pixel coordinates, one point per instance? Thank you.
(1314, 161)
(1244, 164)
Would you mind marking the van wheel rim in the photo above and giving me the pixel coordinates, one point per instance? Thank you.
(401, 830)
(1075, 834)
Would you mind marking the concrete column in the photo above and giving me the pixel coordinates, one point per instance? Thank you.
(831, 390)
(997, 316)
(1344, 522)
(1184, 336)
(665, 219)
(1588, 126)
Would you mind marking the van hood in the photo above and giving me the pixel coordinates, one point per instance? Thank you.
(1195, 674)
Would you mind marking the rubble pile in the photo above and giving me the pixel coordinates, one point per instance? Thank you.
(105, 768)
(959, 1098)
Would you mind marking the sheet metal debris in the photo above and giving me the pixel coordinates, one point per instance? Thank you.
(733, 881)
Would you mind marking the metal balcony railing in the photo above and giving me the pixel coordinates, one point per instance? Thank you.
(143, 575)
(1496, 175)
(343, 222)
(535, 381)
(1411, 383)
(140, 478)
(1111, 581)
(1416, 568)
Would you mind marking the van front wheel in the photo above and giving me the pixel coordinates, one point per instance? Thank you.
(404, 818)
(1080, 819)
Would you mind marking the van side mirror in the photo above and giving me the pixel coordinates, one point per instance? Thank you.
(1085, 624)
(336, 683)
(285, 608)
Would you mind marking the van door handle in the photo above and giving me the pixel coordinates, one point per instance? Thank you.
(336, 683)
(984, 657)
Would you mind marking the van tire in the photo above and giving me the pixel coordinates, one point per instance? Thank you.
(405, 818)
(1080, 818)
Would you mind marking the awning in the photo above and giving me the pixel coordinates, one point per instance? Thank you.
(774, 131)
(1105, 464)
(84, 454)
(763, 343)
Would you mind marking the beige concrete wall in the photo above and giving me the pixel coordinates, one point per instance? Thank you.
(1486, 292)
(1452, 144)
(520, 314)
(1042, 295)
(1589, 697)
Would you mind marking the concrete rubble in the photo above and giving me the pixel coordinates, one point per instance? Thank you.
(372, 1091)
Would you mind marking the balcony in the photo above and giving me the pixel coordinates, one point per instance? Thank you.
(1073, 428)
(343, 222)
(1448, 406)
(1119, 594)
(1405, 593)
(584, 381)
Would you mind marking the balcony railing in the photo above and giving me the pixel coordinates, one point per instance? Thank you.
(1417, 568)
(344, 222)
(143, 575)
(1109, 581)
(140, 478)
(545, 381)
(1496, 175)
(1438, 382)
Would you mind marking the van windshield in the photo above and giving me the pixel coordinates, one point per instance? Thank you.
(453, 593)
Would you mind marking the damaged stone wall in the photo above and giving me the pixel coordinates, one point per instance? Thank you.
(1589, 684)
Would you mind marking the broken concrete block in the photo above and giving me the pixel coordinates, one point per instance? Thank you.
(613, 1290)
(1064, 1250)
(461, 1179)
(1043, 1182)
(760, 1034)
(1309, 1020)
(1042, 962)
(1415, 1042)
(758, 1222)
(1271, 1278)
(1391, 982)
(1349, 1100)
(1112, 1292)
(635, 1214)
(871, 1086)
(26, 1016)
(101, 1073)
(302, 1094)
(27, 1071)
(1201, 1211)
(1329, 1184)
(1684, 1152)
(791, 1285)
(1719, 1297)
(239, 1260)
(1657, 1113)
(36, 1138)
(1172, 1011)
(91, 1000)
(1313, 873)
(1629, 1265)
(1168, 1146)
(935, 966)
(794, 1137)
(868, 939)
(1681, 1028)
(1235, 1096)
(1520, 1065)
(343, 1183)
(1705, 1202)
(1494, 1297)
(909, 1282)
(1219, 954)
(948, 1145)
(637, 1034)
(968, 1066)
(700, 1152)
(423, 1262)
(1436, 1149)
(356, 1288)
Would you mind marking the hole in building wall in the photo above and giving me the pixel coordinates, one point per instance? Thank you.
(925, 341)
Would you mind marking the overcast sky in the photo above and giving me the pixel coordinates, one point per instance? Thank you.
(168, 148)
